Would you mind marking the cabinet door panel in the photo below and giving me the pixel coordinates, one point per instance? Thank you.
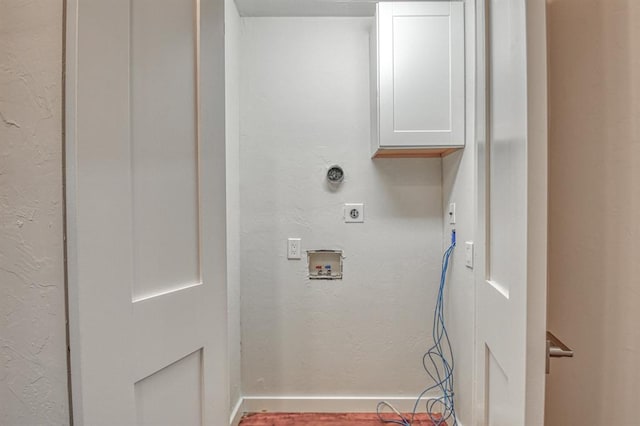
(421, 70)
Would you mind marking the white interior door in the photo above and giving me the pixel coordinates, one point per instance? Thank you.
(512, 206)
(146, 212)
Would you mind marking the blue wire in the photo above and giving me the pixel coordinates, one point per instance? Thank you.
(436, 364)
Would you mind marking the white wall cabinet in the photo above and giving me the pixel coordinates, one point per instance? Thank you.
(418, 96)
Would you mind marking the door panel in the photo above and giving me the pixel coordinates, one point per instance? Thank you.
(421, 83)
(146, 206)
(507, 144)
(497, 384)
(164, 145)
(156, 401)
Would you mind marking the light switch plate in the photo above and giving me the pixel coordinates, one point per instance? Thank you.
(468, 254)
(452, 213)
(354, 212)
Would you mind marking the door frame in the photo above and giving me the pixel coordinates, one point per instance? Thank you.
(537, 193)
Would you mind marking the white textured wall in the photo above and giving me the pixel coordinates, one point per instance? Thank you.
(459, 186)
(594, 205)
(304, 105)
(33, 372)
(232, 75)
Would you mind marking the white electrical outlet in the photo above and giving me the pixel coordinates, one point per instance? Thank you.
(293, 248)
(452, 213)
(354, 212)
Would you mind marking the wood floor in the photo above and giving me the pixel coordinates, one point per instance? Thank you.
(323, 419)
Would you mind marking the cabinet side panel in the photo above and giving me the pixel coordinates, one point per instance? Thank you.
(374, 85)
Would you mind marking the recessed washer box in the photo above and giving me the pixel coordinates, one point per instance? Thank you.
(325, 264)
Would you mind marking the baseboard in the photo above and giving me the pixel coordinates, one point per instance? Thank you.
(237, 412)
(329, 404)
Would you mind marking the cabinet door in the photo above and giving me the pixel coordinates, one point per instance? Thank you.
(421, 72)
